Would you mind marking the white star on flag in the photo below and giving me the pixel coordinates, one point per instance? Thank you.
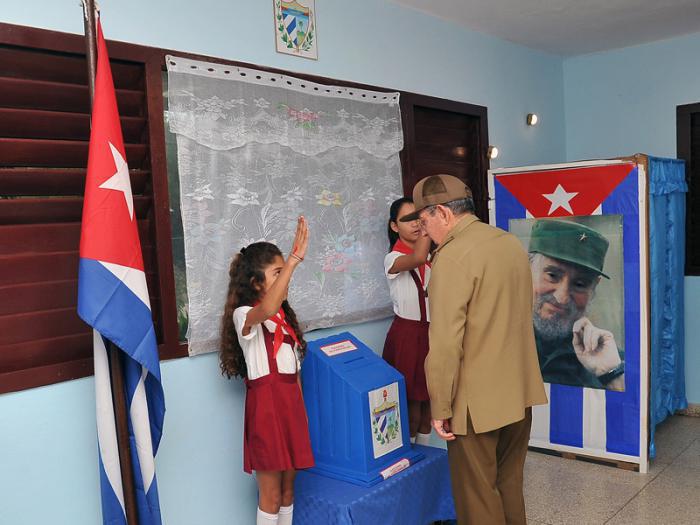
(560, 199)
(120, 180)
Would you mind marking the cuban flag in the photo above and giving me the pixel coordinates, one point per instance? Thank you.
(113, 299)
(596, 422)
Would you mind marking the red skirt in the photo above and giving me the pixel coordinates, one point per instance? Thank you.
(276, 434)
(405, 349)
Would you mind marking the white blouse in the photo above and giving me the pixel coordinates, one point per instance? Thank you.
(254, 351)
(403, 291)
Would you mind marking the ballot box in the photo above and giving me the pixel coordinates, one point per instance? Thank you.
(358, 416)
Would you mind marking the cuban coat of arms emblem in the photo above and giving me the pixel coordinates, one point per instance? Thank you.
(295, 28)
(385, 419)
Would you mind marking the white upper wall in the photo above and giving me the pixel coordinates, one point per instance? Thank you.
(624, 101)
(570, 27)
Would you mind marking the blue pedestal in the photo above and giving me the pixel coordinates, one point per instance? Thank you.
(358, 416)
(417, 496)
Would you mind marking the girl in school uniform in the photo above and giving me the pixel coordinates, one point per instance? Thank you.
(406, 346)
(262, 343)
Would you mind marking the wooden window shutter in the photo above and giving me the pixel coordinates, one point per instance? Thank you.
(44, 137)
(688, 144)
(693, 208)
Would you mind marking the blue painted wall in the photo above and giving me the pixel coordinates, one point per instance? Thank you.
(48, 454)
(624, 102)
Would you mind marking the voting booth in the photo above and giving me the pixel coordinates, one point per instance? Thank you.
(625, 216)
(358, 416)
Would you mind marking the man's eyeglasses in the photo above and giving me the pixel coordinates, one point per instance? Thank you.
(430, 211)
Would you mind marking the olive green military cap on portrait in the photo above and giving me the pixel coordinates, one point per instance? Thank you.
(436, 189)
(570, 242)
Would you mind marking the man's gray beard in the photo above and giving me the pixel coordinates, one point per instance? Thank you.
(557, 327)
(552, 329)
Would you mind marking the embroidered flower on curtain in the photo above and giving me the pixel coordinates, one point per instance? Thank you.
(243, 197)
(255, 151)
(329, 198)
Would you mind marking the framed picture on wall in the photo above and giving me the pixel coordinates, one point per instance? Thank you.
(295, 28)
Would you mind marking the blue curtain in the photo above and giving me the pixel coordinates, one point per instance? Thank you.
(667, 189)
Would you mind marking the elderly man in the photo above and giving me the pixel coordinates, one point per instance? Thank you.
(482, 369)
(567, 259)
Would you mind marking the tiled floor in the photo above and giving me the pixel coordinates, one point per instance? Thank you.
(560, 491)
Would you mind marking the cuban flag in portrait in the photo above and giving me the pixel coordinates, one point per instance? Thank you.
(113, 299)
(595, 422)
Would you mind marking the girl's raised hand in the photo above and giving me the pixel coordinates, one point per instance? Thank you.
(301, 240)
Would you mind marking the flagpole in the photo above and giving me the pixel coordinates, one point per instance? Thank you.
(119, 397)
(115, 361)
(90, 44)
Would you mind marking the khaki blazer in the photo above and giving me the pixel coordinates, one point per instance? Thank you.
(482, 357)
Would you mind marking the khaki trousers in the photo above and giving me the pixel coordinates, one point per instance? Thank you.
(487, 473)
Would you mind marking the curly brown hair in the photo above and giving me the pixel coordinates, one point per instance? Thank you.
(246, 277)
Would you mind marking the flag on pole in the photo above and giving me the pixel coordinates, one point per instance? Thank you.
(113, 299)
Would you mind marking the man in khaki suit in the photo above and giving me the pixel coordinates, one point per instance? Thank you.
(482, 370)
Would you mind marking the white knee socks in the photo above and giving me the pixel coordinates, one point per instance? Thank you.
(265, 518)
(283, 518)
(423, 439)
(286, 515)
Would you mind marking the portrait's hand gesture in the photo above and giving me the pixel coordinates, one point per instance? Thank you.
(595, 348)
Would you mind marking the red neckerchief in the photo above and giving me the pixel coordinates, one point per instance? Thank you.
(402, 247)
(280, 321)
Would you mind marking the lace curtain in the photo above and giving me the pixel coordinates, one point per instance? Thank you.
(256, 150)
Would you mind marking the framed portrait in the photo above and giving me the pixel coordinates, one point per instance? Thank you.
(295, 28)
(584, 227)
(578, 287)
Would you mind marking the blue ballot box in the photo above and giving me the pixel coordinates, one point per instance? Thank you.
(358, 417)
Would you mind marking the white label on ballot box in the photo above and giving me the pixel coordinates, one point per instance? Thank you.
(338, 348)
(385, 419)
(397, 467)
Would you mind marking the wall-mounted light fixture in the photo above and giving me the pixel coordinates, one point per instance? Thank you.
(532, 119)
(492, 152)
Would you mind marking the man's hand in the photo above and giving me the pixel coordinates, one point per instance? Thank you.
(595, 348)
(442, 427)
